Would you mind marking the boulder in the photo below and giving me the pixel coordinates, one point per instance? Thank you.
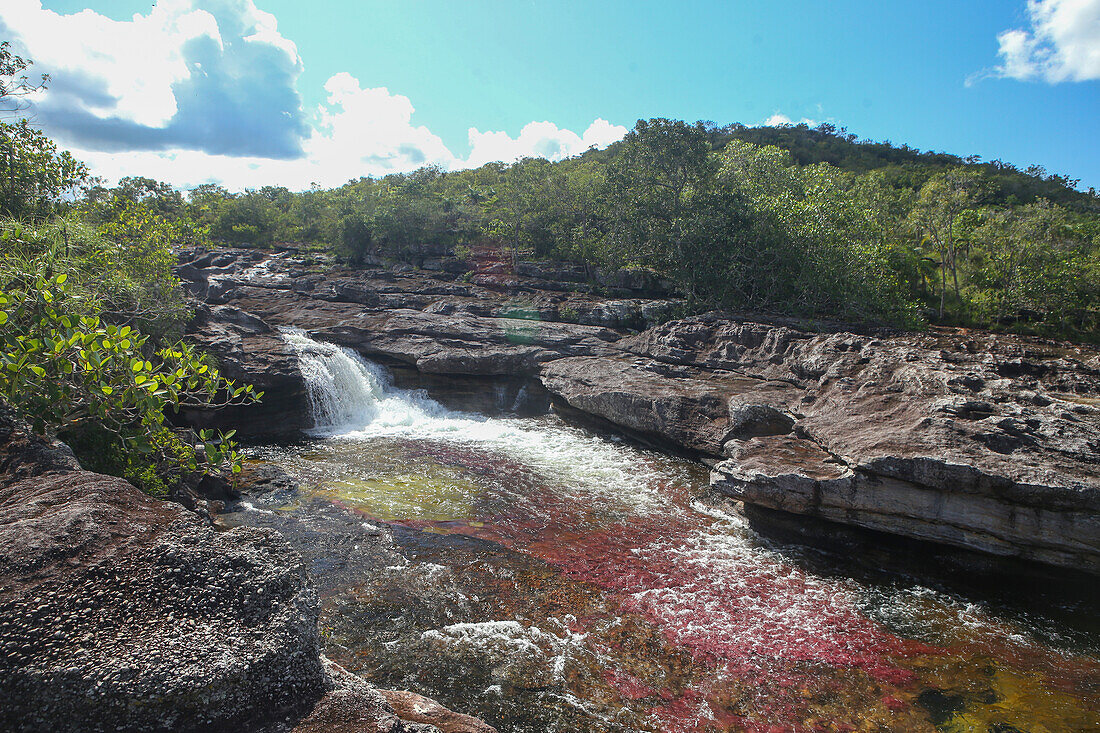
(682, 406)
(119, 612)
(122, 612)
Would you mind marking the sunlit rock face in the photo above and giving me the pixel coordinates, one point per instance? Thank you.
(981, 442)
(553, 580)
(987, 443)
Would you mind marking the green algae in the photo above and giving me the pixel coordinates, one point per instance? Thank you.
(428, 491)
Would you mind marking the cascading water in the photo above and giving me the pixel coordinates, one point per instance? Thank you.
(354, 399)
(553, 580)
(346, 393)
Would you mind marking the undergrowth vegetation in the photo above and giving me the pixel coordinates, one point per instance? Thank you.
(76, 365)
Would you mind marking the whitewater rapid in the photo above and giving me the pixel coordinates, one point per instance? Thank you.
(354, 399)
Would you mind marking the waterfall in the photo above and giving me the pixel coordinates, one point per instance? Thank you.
(348, 393)
(354, 399)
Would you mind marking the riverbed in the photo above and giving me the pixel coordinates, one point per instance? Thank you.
(548, 578)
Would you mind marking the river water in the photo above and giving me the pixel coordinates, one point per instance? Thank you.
(546, 578)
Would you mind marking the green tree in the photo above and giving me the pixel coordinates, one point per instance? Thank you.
(33, 174)
(1032, 262)
(660, 189)
(15, 85)
(74, 376)
(936, 213)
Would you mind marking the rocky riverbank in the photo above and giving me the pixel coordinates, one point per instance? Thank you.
(121, 612)
(985, 443)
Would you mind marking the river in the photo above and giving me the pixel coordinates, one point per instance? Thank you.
(546, 578)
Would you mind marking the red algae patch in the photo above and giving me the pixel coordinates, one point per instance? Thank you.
(567, 599)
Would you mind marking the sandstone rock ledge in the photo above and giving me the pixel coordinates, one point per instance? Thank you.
(121, 612)
(980, 442)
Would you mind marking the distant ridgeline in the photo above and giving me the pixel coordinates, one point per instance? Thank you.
(785, 220)
(908, 167)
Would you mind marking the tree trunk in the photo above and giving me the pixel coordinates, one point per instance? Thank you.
(943, 286)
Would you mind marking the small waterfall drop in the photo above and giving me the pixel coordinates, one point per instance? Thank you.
(348, 393)
(353, 399)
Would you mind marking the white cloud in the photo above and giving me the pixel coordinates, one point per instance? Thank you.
(778, 118)
(539, 139)
(211, 75)
(1061, 44)
(136, 62)
(204, 91)
(357, 132)
(370, 131)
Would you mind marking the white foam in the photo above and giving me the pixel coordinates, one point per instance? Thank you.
(353, 399)
(509, 639)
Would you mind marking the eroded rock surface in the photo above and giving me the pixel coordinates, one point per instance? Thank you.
(119, 612)
(983, 442)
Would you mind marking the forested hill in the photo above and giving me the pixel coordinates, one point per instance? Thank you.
(907, 167)
(782, 220)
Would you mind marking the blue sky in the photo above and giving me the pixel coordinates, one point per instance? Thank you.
(303, 98)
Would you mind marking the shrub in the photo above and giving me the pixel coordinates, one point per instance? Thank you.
(106, 388)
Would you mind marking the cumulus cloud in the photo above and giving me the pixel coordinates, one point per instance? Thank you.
(539, 139)
(371, 130)
(204, 91)
(207, 75)
(778, 119)
(1062, 43)
(356, 132)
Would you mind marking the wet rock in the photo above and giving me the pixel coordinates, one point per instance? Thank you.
(465, 344)
(249, 351)
(353, 706)
(1000, 470)
(417, 708)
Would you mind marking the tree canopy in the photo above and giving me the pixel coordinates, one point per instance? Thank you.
(810, 223)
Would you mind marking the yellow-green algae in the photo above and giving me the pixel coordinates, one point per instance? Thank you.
(427, 491)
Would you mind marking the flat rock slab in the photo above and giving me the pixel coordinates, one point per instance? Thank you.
(682, 405)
